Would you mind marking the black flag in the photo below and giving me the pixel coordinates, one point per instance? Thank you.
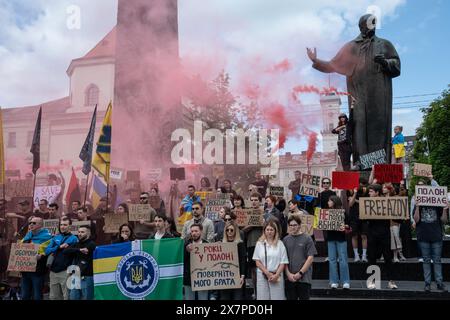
(36, 145)
(86, 150)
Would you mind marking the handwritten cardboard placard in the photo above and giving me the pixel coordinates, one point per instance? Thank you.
(369, 159)
(249, 217)
(177, 173)
(423, 170)
(331, 219)
(138, 212)
(113, 221)
(276, 191)
(22, 257)
(76, 224)
(383, 208)
(307, 225)
(52, 225)
(203, 195)
(388, 173)
(155, 174)
(345, 180)
(218, 171)
(213, 207)
(310, 185)
(116, 174)
(215, 266)
(18, 188)
(431, 196)
(49, 193)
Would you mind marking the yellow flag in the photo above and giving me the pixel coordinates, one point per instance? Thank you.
(102, 157)
(2, 153)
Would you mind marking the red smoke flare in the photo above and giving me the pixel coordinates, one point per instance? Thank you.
(312, 142)
(276, 116)
(314, 89)
(283, 66)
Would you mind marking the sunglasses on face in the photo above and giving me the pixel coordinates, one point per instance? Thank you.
(230, 230)
(325, 183)
(32, 223)
(195, 208)
(227, 219)
(143, 198)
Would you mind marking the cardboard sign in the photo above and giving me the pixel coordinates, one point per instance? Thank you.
(345, 180)
(155, 174)
(22, 257)
(368, 160)
(213, 207)
(18, 188)
(155, 201)
(249, 217)
(76, 224)
(310, 185)
(49, 193)
(113, 221)
(12, 173)
(203, 195)
(423, 170)
(218, 171)
(331, 219)
(52, 225)
(215, 266)
(307, 225)
(431, 196)
(276, 191)
(388, 173)
(177, 173)
(139, 212)
(383, 208)
(116, 174)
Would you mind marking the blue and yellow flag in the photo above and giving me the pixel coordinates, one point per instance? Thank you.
(98, 191)
(2, 151)
(139, 270)
(102, 156)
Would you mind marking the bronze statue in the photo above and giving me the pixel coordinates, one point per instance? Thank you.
(369, 63)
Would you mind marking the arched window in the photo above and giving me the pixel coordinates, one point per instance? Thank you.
(91, 95)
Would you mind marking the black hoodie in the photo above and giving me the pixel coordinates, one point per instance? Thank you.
(84, 261)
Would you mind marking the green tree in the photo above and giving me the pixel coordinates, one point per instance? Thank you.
(432, 144)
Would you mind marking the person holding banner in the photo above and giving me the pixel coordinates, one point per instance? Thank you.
(154, 192)
(429, 222)
(294, 185)
(205, 185)
(301, 250)
(226, 188)
(60, 262)
(32, 283)
(337, 250)
(271, 259)
(379, 241)
(232, 235)
(144, 229)
(260, 183)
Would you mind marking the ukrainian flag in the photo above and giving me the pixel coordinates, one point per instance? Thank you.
(102, 156)
(139, 270)
(98, 191)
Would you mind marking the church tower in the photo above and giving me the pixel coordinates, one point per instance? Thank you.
(330, 106)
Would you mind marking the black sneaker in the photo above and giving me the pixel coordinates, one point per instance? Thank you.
(441, 287)
(427, 288)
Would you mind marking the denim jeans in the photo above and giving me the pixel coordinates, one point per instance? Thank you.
(194, 295)
(431, 251)
(32, 285)
(86, 292)
(338, 249)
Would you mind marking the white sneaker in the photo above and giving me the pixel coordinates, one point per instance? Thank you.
(357, 259)
(382, 258)
(396, 260)
(392, 285)
(346, 286)
(326, 259)
(420, 260)
(371, 286)
(334, 286)
(364, 259)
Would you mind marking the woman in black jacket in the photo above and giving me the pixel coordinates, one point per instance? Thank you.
(126, 234)
(344, 131)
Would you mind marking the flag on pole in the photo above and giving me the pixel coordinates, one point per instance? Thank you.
(98, 191)
(86, 150)
(139, 270)
(102, 156)
(36, 144)
(73, 191)
(2, 151)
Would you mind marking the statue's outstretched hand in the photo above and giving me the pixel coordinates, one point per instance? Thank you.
(312, 54)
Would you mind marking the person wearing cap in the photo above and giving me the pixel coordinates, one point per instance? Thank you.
(343, 130)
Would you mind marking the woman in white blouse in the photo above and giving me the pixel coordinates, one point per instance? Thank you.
(271, 258)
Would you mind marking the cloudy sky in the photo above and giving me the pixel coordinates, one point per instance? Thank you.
(36, 45)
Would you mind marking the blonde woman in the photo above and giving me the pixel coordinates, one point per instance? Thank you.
(231, 234)
(271, 258)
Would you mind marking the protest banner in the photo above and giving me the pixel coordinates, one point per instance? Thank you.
(423, 170)
(177, 173)
(431, 196)
(369, 159)
(345, 180)
(76, 224)
(116, 173)
(310, 185)
(276, 191)
(52, 225)
(114, 220)
(22, 257)
(388, 173)
(249, 217)
(18, 188)
(215, 266)
(155, 174)
(218, 171)
(12, 173)
(155, 201)
(49, 193)
(331, 219)
(383, 208)
(307, 224)
(203, 195)
(213, 207)
(138, 212)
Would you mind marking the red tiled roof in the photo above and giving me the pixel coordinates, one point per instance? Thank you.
(293, 160)
(105, 48)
